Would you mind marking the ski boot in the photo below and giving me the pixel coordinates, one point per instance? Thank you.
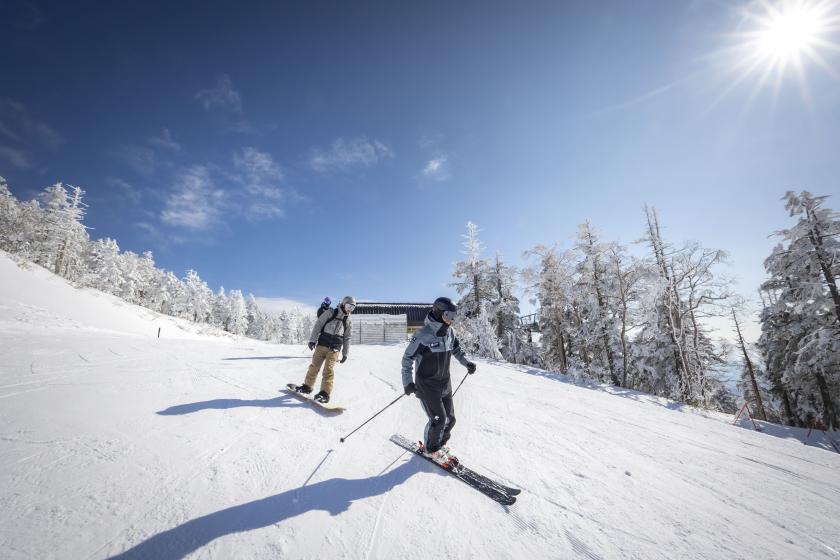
(442, 456)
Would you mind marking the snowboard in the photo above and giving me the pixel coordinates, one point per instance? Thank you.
(332, 407)
(494, 490)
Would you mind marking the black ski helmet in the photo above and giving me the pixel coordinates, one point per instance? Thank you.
(443, 307)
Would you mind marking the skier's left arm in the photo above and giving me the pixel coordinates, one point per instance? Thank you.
(461, 356)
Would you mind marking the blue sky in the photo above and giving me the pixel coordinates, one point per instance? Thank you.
(299, 149)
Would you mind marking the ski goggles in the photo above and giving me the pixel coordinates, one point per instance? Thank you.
(449, 316)
(349, 306)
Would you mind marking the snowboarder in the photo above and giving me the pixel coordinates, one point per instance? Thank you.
(324, 306)
(430, 350)
(330, 334)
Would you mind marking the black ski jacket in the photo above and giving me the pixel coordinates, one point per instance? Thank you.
(426, 360)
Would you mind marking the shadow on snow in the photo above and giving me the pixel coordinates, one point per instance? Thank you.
(335, 496)
(284, 401)
(268, 358)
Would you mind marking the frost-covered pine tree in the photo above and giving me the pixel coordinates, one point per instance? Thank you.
(674, 353)
(132, 277)
(750, 385)
(627, 275)
(473, 284)
(9, 219)
(505, 316)
(102, 266)
(551, 281)
(237, 322)
(198, 298)
(472, 275)
(256, 318)
(598, 338)
(62, 237)
(220, 309)
(800, 337)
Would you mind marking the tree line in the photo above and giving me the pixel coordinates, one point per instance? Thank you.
(49, 231)
(645, 321)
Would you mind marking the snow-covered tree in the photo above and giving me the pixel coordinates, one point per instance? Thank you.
(62, 237)
(505, 315)
(198, 296)
(750, 383)
(551, 281)
(627, 276)
(674, 353)
(473, 283)
(237, 322)
(256, 318)
(800, 337)
(598, 341)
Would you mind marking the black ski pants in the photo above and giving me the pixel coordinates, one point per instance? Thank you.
(441, 419)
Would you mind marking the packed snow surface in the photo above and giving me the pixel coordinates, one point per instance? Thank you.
(114, 443)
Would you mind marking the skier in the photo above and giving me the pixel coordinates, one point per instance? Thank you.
(330, 334)
(324, 306)
(431, 349)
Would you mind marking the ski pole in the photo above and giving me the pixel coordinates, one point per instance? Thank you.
(459, 384)
(371, 418)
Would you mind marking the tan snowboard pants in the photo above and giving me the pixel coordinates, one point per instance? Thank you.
(323, 355)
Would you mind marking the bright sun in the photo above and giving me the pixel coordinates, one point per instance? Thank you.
(782, 37)
(788, 31)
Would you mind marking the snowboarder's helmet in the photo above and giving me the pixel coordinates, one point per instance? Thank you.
(348, 303)
(444, 309)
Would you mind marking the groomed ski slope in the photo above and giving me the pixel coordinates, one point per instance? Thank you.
(116, 444)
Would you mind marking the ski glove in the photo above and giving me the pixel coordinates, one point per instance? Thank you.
(343, 359)
(471, 367)
(312, 346)
(410, 388)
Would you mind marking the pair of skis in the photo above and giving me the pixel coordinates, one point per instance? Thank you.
(496, 491)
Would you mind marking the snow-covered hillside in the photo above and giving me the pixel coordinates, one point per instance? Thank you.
(114, 443)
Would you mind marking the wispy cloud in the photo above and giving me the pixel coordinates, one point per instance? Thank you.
(223, 95)
(165, 141)
(140, 158)
(437, 168)
(429, 140)
(124, 190)
(258, 166)
(195, 203)
(259, 175)
(18, 158)
(18, 125)
(344, 154)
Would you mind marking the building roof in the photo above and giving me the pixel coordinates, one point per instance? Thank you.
(415, 312)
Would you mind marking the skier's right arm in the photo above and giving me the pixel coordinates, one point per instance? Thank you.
(408, 360)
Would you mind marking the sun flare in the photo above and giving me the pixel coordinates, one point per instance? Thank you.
(782, 39)
(788, 32)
